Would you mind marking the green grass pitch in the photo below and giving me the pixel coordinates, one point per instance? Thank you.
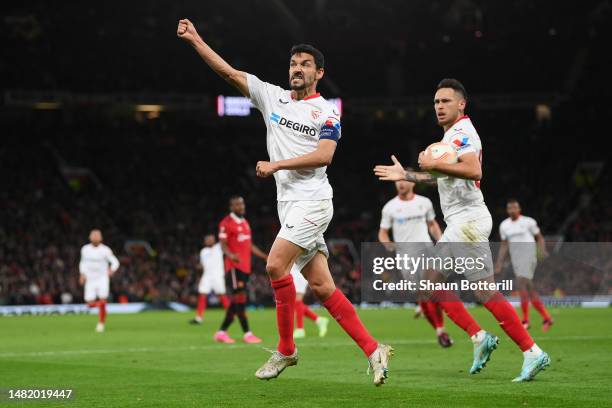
(155, 359)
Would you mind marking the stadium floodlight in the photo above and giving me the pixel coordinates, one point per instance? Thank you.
(46, 105)
(149, 108)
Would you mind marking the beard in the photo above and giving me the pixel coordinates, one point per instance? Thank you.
(300, 87)
(297, 87)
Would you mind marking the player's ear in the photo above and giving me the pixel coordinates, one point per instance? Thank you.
(320, 73)
(462, 104)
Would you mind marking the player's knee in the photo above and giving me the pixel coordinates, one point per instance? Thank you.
(275, 269)
(322, 290)
(484, 295)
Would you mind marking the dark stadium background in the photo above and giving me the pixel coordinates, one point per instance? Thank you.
(75, 154)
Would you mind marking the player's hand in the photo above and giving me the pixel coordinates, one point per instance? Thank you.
(234, 257)
(389, 246)
(110, 272)
(265, 169)
(186, 31)
(395, 172)
(541, 255)
(82, 280)
(426, 161)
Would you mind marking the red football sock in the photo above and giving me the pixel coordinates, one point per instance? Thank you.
(102, 311)
(309, 313)
(525, 304)
(439, 313)
(539, 306)
(299, 314)
(429, 310)
(509, 321)
(284, 294)
(343, 311)
(456, 311)
(224, 301)
(201, 305)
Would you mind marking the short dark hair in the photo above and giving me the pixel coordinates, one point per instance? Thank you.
(453, 84)
(512, 200)
(319, 59)
(235, 197)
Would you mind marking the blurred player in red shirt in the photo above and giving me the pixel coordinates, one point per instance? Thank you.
(235, 238)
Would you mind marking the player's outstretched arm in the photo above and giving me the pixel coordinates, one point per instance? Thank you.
(468, 167)
(187, 32)
(397, 172)
(321, 157)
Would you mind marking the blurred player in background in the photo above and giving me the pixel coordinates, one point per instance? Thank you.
(97, 265)
(303, 130)
(301, 309)
(213, 276)
(236, 244)
(520, 234)
(468, 228)
(412, 219)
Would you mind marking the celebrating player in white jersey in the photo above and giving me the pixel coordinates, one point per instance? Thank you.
(412, 219)
(467, 233)
(303, 130)
(96, 266)
(213, 276)
(519, 234)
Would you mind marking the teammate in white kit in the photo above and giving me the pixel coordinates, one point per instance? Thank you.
(412, 219)
(466, 236)
(519, 235)
(213, 276)
(301, 309)
(97, 265)
(303, 130)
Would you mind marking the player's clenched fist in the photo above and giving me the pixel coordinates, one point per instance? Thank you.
(265, 169)
(186, 30)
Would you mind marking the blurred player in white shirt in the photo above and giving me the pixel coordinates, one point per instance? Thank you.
(302, 309)
(412, 219)
(519, 235)
(213, 276)
(97, 265)
(468, 226)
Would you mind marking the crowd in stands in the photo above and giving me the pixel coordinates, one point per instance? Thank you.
(166, 179)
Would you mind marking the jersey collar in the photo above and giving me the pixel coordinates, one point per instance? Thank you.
(409, 199)
(236, 218)
(316, 95)
(460, 119)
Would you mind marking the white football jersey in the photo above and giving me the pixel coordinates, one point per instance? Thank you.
(461, 200)
(521, 242)
(522, 230)
(95, 261)
(408, 218)
(294, 129)
(211, 259)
